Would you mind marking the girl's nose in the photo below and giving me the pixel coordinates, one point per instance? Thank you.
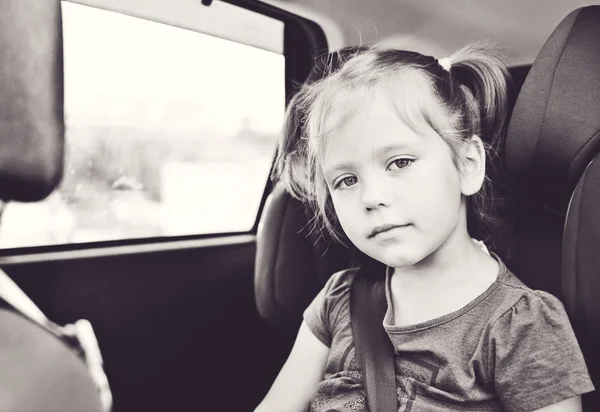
(371, 208)
(374, 195)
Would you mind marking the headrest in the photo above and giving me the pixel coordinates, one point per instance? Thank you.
(554, 131)
(292, 263)
(31, 99)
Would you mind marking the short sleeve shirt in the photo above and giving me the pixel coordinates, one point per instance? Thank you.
(511, 349)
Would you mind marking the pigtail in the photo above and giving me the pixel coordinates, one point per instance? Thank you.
(481, 70)
(483, 79)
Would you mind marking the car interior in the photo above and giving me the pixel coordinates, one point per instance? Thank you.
(205, 319)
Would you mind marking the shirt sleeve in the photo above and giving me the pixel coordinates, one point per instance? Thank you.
(537, 360)
(320, 316)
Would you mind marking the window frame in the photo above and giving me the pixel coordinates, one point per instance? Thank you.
(303, 40)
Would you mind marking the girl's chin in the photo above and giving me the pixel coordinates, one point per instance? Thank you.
(402, 255)
(398, 259)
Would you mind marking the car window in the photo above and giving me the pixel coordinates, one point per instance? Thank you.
(168, 131)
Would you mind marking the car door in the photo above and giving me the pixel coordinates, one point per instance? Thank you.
(173, 114)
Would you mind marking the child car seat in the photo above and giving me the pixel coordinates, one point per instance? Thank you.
(554, 134)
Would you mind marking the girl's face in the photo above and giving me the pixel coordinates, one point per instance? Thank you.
(396, 193)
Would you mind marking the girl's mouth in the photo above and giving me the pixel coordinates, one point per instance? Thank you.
(383, 228)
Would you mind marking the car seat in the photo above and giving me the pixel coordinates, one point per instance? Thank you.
(37, 370)
(553, 135)
(553, 139)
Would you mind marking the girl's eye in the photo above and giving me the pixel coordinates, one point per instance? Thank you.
(400, 164)
(346, 182)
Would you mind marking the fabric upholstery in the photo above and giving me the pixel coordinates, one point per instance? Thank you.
(581, 272)
(292, 264)
(554, 130)
(552, 136)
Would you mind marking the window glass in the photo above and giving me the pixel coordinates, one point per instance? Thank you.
(168, 132)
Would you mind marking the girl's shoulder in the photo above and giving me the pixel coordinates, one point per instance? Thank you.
(533, 350)
(521, 305)
(336, 292)
(329, 311)
(340, 283)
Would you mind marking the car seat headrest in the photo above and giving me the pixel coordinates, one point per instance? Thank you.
(554, 131)
(292, 262)
(31, 99)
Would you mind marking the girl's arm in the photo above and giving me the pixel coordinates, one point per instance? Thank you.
(568, 405)
(297, 380)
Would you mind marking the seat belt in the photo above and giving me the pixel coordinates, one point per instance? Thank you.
(374, 349)
(80, 334)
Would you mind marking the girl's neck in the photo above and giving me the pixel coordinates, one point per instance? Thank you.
(450, 265)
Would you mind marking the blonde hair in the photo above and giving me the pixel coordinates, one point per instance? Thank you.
(468, 99)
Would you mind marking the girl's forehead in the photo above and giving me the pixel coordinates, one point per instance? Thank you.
(378, 117)
(373, 130)
(397, 101)
(377, 122)
(400, 110)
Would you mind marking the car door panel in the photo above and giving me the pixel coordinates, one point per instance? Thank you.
(178, 328)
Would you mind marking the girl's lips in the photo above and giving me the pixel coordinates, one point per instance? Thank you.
(383, 229)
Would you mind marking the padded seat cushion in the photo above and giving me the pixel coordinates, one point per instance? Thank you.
(581, 272)
(554, 131)
(292, 264)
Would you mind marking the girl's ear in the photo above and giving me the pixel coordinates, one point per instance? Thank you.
(472, 166)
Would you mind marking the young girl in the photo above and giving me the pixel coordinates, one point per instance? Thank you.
(394, 152)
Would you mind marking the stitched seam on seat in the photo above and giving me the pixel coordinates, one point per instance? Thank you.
(537, 145)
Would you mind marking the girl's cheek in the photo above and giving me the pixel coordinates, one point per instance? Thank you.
(346, 212)
(340, 208)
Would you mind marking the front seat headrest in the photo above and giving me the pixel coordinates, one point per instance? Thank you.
(37, 370)
(554, 131)
(31, 99)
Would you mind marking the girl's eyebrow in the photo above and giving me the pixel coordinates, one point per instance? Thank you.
(381, 152)
(386, 150)
(339, 168)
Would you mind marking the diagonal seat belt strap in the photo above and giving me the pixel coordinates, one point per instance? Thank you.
(374, 349)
